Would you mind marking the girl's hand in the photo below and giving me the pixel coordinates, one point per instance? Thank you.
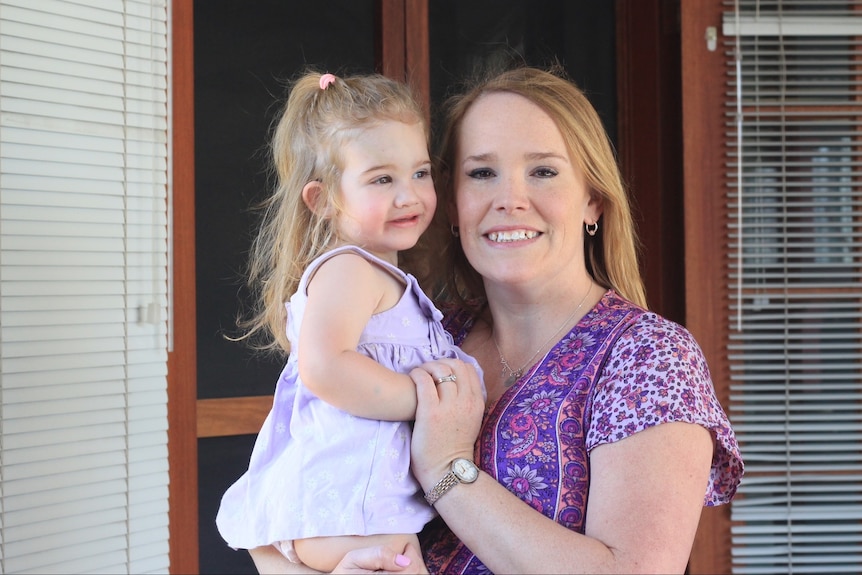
(448, 417)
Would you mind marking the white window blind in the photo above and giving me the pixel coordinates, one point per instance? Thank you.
(794, 231)
(83, 259)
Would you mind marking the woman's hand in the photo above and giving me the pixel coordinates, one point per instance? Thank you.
(382, 560)
(448, 417)
(377, 559)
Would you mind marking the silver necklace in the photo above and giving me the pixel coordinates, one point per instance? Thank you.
(515, 374)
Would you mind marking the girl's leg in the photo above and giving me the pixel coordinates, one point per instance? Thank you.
(324, 553)
(268, 560)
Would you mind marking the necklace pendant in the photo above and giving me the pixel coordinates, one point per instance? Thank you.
(513, 377)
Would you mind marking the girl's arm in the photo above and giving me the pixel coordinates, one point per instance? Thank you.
(343, 294)
(645, 500)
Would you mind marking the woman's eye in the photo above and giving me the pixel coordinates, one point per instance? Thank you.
(545, 172)
(480, 173)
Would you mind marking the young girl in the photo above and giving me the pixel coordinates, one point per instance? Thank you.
(330, 468)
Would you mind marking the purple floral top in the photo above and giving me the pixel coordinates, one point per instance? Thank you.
(622, 369)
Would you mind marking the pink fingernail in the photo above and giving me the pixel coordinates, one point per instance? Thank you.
(402, 560)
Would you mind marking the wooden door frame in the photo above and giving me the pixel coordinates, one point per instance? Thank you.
(703, 80)
(182, 353)
(403, 50)
(649, 151)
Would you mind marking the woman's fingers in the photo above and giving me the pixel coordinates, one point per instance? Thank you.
(425, 387)
(448, 376)
(430, 379)
(381, 559)
(441, 370)
(444, 378)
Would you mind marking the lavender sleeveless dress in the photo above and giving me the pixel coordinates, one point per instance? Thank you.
(318, 471)
(620, 370)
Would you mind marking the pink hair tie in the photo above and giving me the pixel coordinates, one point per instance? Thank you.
(326, 80)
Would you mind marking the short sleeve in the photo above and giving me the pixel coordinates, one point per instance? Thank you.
(656, 373)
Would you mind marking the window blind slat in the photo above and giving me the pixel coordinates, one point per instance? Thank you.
(22, 493)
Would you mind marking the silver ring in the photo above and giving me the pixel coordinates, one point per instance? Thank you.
(450, 377)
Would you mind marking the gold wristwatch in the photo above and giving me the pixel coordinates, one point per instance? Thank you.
(463, 471)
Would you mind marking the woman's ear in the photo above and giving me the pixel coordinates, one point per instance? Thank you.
(595, 209)
(312, 194)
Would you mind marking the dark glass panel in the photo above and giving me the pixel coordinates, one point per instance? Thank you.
(471, 37)
(245, 51)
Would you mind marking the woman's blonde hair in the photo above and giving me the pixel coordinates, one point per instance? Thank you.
(611, 255)
(320, 116)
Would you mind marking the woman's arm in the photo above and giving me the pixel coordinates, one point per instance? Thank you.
(344, 293)
(646, 494)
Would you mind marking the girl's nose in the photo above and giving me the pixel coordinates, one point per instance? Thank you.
(407, 195)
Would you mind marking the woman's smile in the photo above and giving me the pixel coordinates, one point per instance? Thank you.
(512, 236)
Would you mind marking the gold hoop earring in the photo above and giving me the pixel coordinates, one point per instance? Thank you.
(592, 228)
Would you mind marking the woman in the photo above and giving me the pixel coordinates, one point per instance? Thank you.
(601, 438)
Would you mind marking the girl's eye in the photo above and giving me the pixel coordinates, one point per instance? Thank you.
(422, 174)
(545, 172)
(382, 180)
(480, 173)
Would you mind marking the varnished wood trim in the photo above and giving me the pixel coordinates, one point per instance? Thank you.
(232, 415)
(391, 58)
(418, 68)
(702, 92)
(403, 51)
(182, 363)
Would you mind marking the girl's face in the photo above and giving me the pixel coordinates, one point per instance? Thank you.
(520, 202)
(386, 189)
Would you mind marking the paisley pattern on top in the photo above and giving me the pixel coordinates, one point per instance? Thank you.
(620, 370)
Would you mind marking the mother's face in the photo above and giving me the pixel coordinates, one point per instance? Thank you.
(520, 202)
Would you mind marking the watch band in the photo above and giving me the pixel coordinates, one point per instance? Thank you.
(449, 481)
(462, 471)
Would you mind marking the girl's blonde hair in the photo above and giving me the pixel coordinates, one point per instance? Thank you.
(318, 119)
(611, 255)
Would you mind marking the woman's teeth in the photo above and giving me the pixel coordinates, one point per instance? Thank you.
(513, 236)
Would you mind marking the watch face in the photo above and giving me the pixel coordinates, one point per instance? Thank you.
(465, 470)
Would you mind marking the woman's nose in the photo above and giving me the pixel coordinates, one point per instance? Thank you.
(512, 195)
